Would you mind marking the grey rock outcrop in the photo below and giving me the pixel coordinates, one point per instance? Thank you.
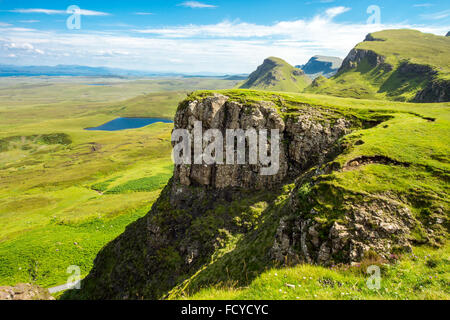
(309, 141)
(376, 225)
(24, 291)
(435, 91)
(356, 56)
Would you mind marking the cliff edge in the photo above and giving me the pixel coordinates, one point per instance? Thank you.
(327, 203)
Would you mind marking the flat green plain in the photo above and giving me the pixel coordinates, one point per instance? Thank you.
(62, 200)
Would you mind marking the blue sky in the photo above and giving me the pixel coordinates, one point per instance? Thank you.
(223, 36)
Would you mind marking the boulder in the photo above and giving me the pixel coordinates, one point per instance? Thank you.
(24, 291)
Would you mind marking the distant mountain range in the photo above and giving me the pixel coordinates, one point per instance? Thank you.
(275, 74)
(85, 71)
(321, 66)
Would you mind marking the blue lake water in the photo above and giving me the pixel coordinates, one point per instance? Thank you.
(128, 123)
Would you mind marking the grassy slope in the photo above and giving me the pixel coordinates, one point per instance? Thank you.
(417, 47)
(396, 46)
(49, 193)
(276, 75)
(420, 275)
(406, 135)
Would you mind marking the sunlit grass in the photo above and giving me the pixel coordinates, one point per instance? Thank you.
(423, 274)
(55, 195)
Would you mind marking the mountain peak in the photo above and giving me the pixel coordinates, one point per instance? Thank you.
(278, 75)
(321, 66)
(275, 60)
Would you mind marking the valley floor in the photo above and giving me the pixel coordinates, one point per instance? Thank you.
(65, 192)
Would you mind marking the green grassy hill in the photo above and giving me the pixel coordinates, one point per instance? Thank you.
(420, 275)
(397, 154)
(276, 74)
(402, 65)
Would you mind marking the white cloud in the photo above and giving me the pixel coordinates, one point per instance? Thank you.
(196, 4)
(227, 29)
(333, 12)
(14, 29)
(29, 21)
(92, 13)
(143, 13)
(320, 1)
(51, 12)
(26, 46)
(46, 11)
(4, 24)
(111, 53)
(225, 47)
(423, 5)
(437, 15)
(21, 48)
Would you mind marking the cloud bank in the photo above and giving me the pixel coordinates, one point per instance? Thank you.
(225, 47)
(196, 5)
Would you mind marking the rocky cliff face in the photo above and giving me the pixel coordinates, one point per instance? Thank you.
(435, 91)
(309, 141)
(229, 222)
(374, 225)
(357, 56)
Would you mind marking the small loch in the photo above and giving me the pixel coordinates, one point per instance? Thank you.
(128, 123)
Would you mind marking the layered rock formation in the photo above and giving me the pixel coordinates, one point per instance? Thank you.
(357, 56)
(375, 225)
(309, 141)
